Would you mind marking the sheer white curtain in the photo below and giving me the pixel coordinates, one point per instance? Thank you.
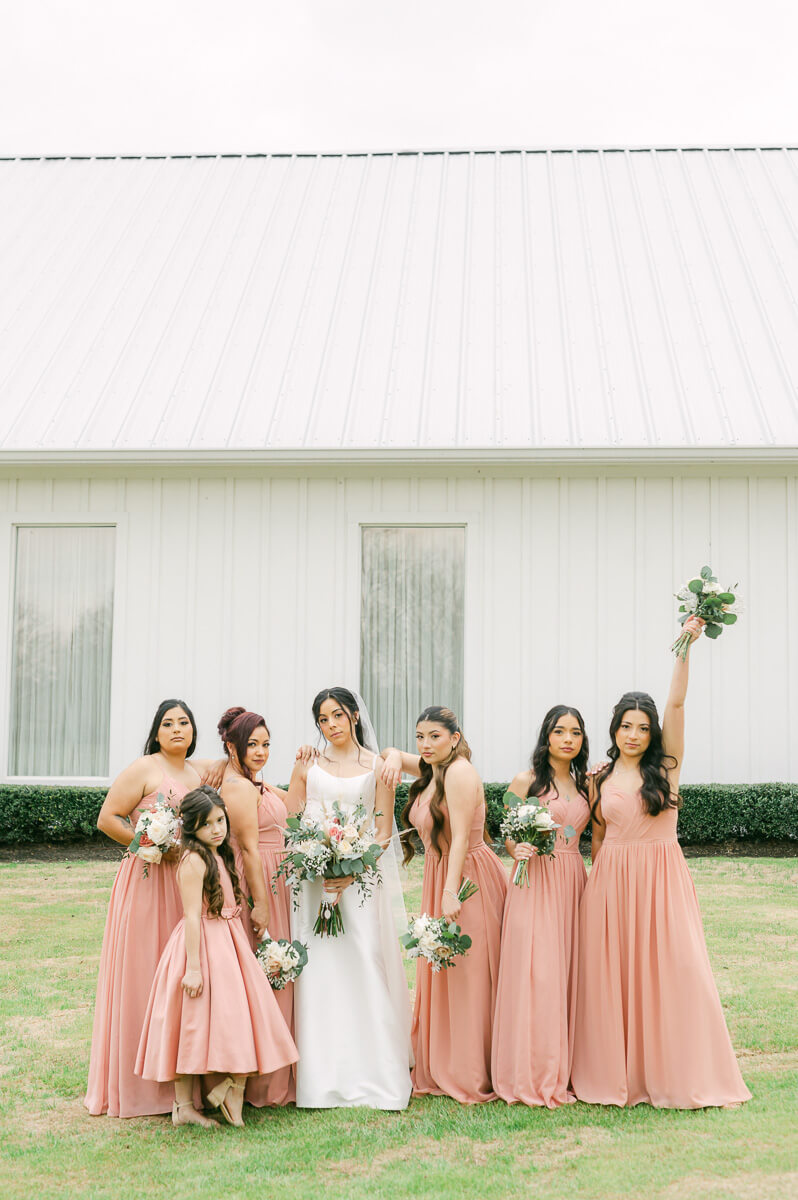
(412, 627)
(61, 665)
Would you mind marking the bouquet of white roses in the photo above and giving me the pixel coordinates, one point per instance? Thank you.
(283, 961)
(157, 830)
(525, 821)
(332, 847)
(435, 939)
(704, 598)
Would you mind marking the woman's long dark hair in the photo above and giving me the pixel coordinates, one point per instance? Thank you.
(193, 812)
(446, 718)
(235, 728)
(654, 764)
(152, 745)
(542, 772)
(344, 698)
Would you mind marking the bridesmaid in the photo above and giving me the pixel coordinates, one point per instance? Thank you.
(453, 1013)
(141, 915)
(210, 1007)
(649, 1024)
(533, 1032)
(257, 813)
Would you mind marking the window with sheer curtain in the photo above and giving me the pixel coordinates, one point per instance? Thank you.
(412, 625)
(61, 656)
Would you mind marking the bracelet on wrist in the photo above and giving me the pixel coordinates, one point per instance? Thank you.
(451, 893)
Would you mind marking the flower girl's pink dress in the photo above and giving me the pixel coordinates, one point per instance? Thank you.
(141, 916)
(649, 1025)
(280, 1087)
(533, 1031)
(453, 1013)
(233, 1027)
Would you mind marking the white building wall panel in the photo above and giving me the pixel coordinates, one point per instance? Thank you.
(245, 589)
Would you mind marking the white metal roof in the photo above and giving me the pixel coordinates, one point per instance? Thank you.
(475, 301)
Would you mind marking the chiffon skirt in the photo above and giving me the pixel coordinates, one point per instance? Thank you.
(649, 1024)
(533, 1031)
(142, 913)
(233, 1027)
(454, 1008)
(280, 1087)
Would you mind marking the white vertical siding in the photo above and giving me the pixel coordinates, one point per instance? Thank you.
(245, 589)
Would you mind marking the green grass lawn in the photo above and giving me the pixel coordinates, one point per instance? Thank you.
(51, 921)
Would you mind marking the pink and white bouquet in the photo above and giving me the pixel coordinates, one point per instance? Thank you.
(283, 961)
(525, 821)
(331, 847)
(703, 597)
(437, 940)
(157, 831)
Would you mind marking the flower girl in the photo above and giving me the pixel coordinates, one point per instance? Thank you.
(211, 1009)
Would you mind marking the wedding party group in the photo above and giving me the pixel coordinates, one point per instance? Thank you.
(252, 945)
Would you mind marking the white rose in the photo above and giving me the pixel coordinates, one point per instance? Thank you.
(711, 588)
(149, 854)
(428, 942)
(159, 830)
(345, 848)
(420, 926)
(545, 820)
(350, 833)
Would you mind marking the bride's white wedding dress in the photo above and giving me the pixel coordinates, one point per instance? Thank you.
(351, 1003)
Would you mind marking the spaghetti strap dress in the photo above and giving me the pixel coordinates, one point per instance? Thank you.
(649, 1024)
(142, 913)
(233, 1027)
(533, 1031)
(279, 1087)
(454, 1009)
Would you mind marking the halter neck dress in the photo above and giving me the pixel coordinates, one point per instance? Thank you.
(649, 1024)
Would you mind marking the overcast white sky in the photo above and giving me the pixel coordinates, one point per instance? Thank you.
(191, 76)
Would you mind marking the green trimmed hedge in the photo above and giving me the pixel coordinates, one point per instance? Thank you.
(712, 812)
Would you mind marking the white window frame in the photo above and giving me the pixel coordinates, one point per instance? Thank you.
(9, 524)
(473, 600)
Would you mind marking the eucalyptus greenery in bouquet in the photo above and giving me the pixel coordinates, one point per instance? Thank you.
(704, 598)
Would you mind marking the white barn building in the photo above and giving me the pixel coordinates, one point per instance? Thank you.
(451, 427)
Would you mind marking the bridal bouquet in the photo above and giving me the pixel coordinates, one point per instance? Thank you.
(283, 961)
(157, 830)
(526, 821)
(435, 939)
(330, 847)
(704, 598)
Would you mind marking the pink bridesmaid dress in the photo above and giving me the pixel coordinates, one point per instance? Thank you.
(533, 1031)
(453, 1014)
(233, 1027)
(141, 916)
(280, 1087)
(649, 1025)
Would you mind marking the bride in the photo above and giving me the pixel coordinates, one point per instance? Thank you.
(351, 1002)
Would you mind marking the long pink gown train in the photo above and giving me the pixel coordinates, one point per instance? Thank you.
(141, 916)
(649, 1024)
(453, 1014)
(533, 1030)
(279, 1087)
(233, 1027)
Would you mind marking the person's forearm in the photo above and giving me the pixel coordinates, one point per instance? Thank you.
(679, 681)
(119, 829)
(256, 880)
(595, 844)
(409, 761)
(457, 857)
(192, 928)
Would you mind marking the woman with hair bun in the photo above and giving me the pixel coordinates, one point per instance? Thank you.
(533, 1033)
(257, 813)
(453, 1015)
(142, 912)
(649, 1023)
